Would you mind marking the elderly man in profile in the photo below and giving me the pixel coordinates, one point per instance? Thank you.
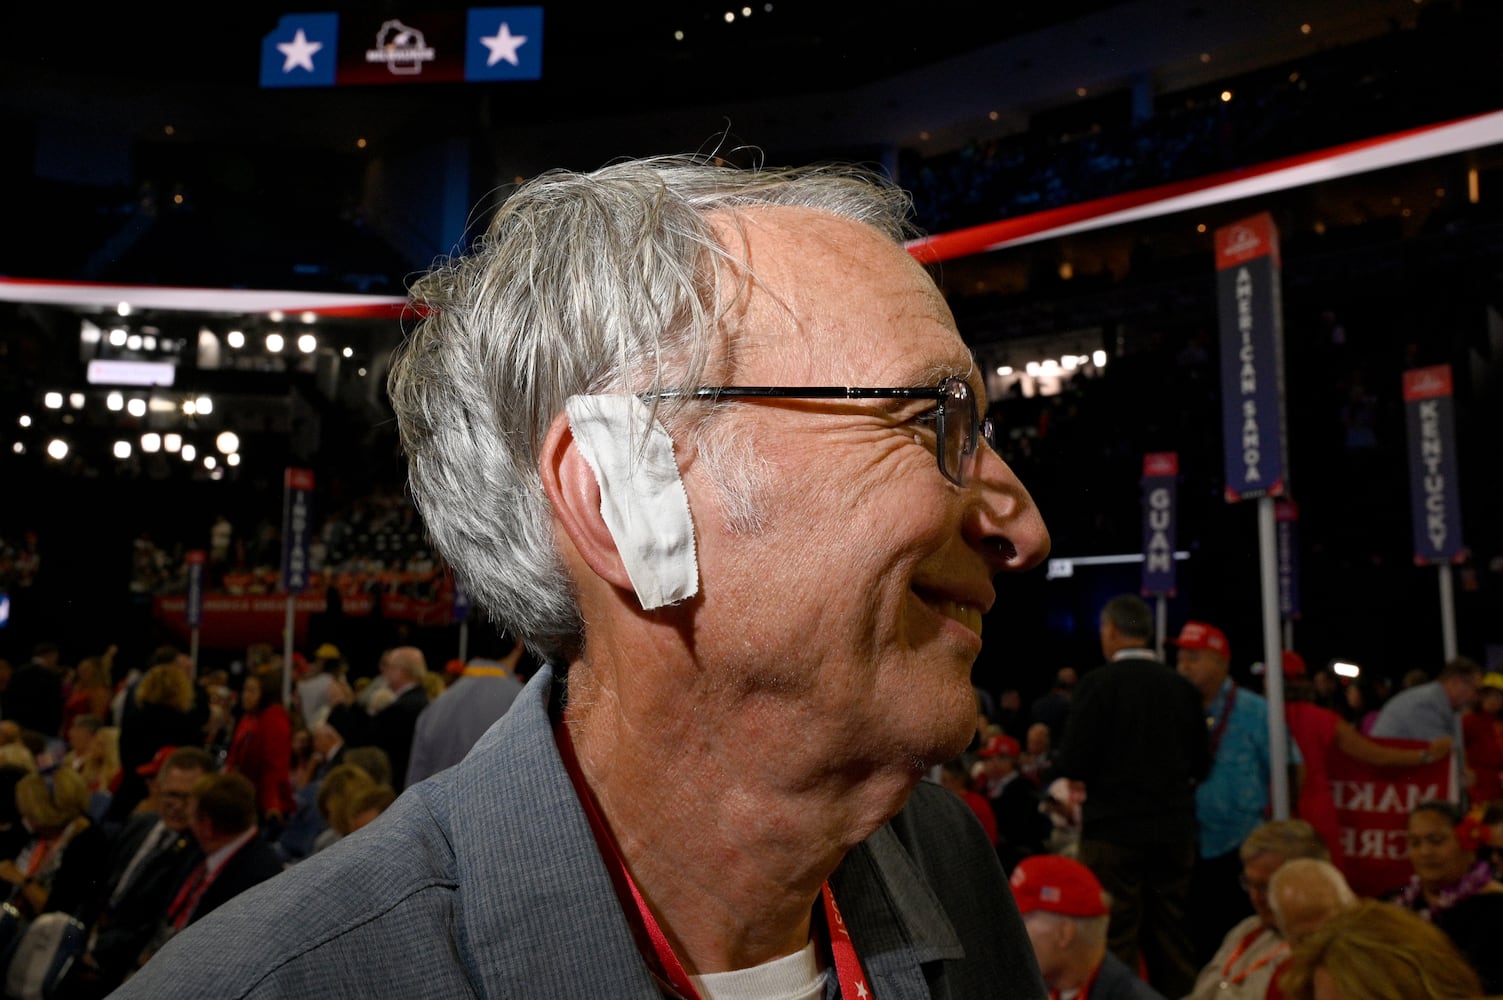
(707, 441)
(1254, 949)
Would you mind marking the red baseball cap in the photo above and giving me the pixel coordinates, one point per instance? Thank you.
(1057, 884)
(155, 764)
(998, 746)
(1294, 664)
(1199, 635)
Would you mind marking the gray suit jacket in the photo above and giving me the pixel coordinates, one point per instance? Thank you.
(485, 881)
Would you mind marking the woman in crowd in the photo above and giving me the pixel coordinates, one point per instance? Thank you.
(90, 690)
(1377, 951)
(161, 716)
(1454, 890)
(261, 748)
(66, 860)
(1482, 731)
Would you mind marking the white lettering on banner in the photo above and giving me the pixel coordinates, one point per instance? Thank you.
(1248, 379)
(1248, 373)
(1160, 552)
(1386, 845)
(1432, 453)
(297, 558)
(1365, 796)
(1251, 441)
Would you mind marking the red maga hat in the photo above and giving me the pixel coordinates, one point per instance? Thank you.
(1057, 884)
(1199, 635)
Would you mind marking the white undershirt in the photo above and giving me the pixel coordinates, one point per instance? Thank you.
(793, 977)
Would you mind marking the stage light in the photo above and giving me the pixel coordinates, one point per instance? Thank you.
(274, 343)
(188, 452)
(114, 402)
(233, 458)
(53, 401)
(1098, 358)
(57, 448)
(348, 352)
(307, 343)
(133, 342)
(136, 407)
(309, 317)
(122, 450)
(24, 420)
(210, 461)
(227, 442)
(172, 442)
(76, 400)
(123, 309)
(1343, 668)
(204, 404)
(151, 442)
(118, 337)
(235, 339)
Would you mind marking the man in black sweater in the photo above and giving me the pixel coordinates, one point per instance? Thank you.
(1135, 746)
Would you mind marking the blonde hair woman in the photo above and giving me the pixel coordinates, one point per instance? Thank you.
(68, 854)
(1378, 951)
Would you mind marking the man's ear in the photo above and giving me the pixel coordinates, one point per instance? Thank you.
(574, 493)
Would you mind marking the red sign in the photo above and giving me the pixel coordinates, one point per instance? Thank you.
(1161, 463)
(1246, 240)
(1372, 807)
(1427, 383)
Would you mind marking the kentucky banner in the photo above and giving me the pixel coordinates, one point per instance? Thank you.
(1160, 481)
(1372, 811)
(1430, 415)
(1252, 358)
(297, 529)
(481, 44)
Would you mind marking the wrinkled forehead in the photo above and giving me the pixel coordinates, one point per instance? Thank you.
(807, 297)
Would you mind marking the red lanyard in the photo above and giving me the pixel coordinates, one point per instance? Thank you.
(1242, 946)
(1221, 723)
(847, 965)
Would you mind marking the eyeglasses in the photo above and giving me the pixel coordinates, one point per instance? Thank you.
(958, 425)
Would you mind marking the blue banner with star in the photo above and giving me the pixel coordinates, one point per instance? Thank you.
(478, 45)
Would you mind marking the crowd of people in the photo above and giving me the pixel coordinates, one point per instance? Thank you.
(135, 800)
(1144, 806)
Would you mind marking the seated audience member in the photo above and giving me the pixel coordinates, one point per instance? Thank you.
(298, 837)
(1305, 894)
(1243, 966)
(13, 832)
(1376, 951)
(955, 776)
(1022, 828)
(222, 816)
(149, 859)
(1453, 889)
(362, 809)
(373, 761)
(1066, 913)
(337, 793)
(65, 860)
(1037, 760)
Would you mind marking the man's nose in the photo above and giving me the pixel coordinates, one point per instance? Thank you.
(1001, 520)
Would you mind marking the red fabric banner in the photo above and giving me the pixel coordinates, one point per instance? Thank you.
(1373, 806)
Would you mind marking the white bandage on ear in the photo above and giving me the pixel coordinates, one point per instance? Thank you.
(642, 497)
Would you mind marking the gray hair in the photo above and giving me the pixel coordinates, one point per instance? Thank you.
(583, 283)
(1288, 838)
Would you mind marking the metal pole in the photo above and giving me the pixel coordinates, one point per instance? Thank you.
(287, 652)
(1289, 633)
(464, 640)
(1161, 624)
(193, 654)
(1273, 659)
(1447, 611)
